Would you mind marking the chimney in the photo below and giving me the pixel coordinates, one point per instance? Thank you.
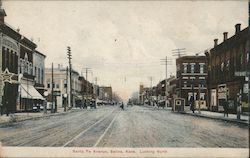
(2, 15)
(225, 35)
(215, 42)
(237, 28)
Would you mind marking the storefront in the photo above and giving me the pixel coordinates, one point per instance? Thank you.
(30, 98)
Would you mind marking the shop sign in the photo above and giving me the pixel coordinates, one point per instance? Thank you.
(245, 88)
(222, 91)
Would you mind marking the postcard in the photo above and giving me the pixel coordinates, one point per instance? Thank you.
(124, 78)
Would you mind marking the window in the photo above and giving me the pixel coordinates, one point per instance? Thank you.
(38, 76)
(201, 68)
(30, 69)
(42, 76)
(65, 83)
(35, 73)
(192, 68)
(57, 86)
(185, 68)
(185, 84)
(202, 96)
(48, 85)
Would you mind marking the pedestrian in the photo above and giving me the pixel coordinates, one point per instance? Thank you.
(225, 107)
(122, 106)
(191, 102)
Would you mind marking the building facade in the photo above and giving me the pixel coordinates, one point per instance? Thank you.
(29, 97)
(9, 56)
(38, 71)
(191, 79)
(18, 94)
(105, 93)
(227, 71)
(61, 86)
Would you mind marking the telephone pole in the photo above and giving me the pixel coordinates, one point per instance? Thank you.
(179, 52)
(70, 73)
(52, 89)
(66, 97)
(166, 62)
(87, 86)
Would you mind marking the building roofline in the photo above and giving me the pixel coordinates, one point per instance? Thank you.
(40, 53)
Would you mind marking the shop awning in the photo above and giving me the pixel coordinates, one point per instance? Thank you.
(29, 91)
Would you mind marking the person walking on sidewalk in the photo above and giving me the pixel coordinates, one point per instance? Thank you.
(191, 102)
(225, 106)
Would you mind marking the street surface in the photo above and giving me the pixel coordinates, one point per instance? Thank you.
(136, 126)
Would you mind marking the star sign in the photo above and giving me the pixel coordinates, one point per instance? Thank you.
(6, 76)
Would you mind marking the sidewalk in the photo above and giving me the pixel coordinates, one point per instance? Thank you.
(17, 117)
(244, 119)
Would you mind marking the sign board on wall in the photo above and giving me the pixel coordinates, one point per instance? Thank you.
(222, 91)
(245, 88)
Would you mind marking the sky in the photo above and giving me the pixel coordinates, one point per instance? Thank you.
(123, 42)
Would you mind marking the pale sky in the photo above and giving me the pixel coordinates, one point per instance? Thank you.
(123, 41)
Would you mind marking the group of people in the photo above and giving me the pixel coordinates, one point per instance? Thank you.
(224, 104)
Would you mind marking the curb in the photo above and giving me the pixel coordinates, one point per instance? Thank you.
(35, 118)
(218, 118)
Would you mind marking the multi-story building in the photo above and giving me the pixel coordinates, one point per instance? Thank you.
(28, 95)
(105, 93)
(191, 79)
(161, 90)
(38, 71)
(9, 55)
(17, 61)
(227, 70)
(60, 85)
(170, 89)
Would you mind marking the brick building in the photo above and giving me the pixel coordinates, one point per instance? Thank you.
(227, 70)
(60, 85)
(9, 55)
(191, 79)
(105, 93)
(17, 57)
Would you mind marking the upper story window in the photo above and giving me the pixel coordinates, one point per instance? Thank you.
(192, 68)
(65, 83)
(184, 68)
(202, 69)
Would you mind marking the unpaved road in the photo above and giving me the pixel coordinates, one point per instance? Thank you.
(133, 127)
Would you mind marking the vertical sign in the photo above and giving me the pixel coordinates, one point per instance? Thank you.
(1, 79)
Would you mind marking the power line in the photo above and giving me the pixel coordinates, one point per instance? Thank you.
(179, 52)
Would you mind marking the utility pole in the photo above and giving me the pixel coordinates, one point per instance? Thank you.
(87, 70)
(70, 82)
(179, 52)
(52, 87)
(151, 89)
(65, 104)
(166, 62)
